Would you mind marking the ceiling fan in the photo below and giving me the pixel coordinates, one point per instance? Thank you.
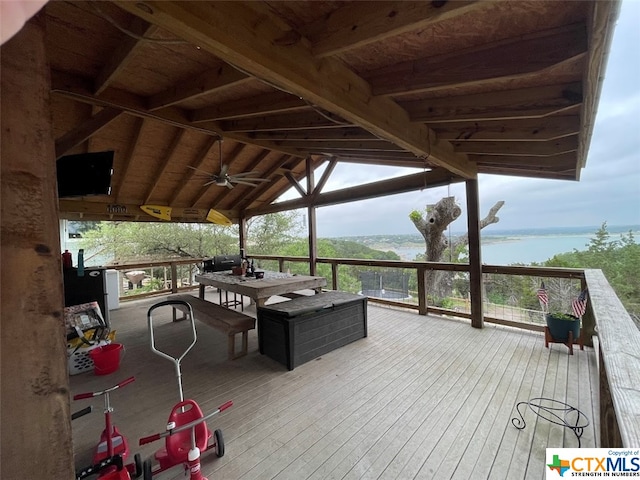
(224, 179)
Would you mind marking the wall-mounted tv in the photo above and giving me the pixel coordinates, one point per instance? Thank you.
(85, 174)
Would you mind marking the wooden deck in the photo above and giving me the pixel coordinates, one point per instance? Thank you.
(420, 397)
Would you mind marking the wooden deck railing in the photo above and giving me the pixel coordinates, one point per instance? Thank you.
(615, 336)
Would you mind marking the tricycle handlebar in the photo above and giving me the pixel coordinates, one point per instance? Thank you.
(102, 392)
(168, 433)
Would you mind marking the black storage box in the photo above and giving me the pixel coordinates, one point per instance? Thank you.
(305, 328)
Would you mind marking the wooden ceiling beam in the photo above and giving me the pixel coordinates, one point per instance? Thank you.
(563, 161)
(288, 121)
(85, 130)
(386, 162)
(260, 189)
(216, 79)
(363, 145)
(407, 183)
(123, 54)
(127, 157)
(264, 104)
(160, 170)
(333, 163)
(538, 129)
(509, 59)
(536, 149)
(357, 24)
(533, 102)
(190, 172)
(295, 184)
(78, 89)
(250, 41)
(320, 134)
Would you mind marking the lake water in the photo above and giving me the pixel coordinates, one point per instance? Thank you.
(524, 249)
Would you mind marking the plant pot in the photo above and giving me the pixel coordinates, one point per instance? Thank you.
(559, 327)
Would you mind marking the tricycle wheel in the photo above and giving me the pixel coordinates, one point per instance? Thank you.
(137, 461)
(146, 470)
(219, 443)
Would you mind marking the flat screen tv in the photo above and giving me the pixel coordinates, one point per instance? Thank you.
(85, 174)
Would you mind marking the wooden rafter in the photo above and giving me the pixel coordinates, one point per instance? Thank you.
(260, 189)
(76, 88)
(483, 64)
(127, 157)
(540, 129)
(319, 134)
(126, 50)
(220, 77)
(532, 102)
(190, 172)
(159, 171)
(357, 24)
(539, 149)
(85, 130)
(392, 186)
(248, 40)
(270, 103)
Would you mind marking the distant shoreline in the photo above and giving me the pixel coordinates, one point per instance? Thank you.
(515, 233)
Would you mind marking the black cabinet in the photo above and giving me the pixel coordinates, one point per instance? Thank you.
(91, 287)
(305, 328)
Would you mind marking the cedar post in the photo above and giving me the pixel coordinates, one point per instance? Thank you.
(475, 259)
(35, 418)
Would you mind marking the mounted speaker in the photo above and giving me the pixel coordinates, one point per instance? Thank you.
(85, 174)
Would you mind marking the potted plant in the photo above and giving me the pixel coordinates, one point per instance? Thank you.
(562, 326)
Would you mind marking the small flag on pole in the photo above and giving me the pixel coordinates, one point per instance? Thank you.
(579, 305)
(542, 294)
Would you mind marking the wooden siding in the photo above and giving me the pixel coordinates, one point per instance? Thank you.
(420, 397)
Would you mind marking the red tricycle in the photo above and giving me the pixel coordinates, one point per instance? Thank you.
(112, 449)
(187, 435)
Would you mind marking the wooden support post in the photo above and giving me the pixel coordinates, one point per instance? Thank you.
(475, 258)
(35, 413)
(422, 290)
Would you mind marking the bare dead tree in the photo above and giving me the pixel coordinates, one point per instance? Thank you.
(432, 226)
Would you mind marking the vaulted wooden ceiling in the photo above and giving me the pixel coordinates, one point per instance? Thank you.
(454, 88)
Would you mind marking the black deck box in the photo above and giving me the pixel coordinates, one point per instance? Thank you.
(305, 328)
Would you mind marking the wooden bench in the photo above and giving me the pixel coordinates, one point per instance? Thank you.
(227, 321)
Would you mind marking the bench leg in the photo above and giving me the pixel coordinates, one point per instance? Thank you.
(232, 346)
(185, 315)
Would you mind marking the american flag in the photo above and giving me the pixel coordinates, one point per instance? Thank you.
(579, 305)
(542, 294)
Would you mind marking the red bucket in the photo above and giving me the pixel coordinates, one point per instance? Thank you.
(106, 359)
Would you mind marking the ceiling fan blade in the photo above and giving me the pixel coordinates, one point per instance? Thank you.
(244, 174)
(211, 182)
(229, 185)
(199, 170)
(244, 182)
(254, 179)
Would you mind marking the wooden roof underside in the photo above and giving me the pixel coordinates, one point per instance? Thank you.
(453, 88)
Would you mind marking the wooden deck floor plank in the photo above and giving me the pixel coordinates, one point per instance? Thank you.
(401, 383)
(432, 410)
(372, 409)
(495, 390)
(489, 429)
(351, 380)
(497, 451)
(336, 436)
(456, 404)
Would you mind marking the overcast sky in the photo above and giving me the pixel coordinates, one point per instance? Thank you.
(609, 188)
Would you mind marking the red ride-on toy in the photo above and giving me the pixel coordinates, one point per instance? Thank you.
(187, 435)
(112, 449)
